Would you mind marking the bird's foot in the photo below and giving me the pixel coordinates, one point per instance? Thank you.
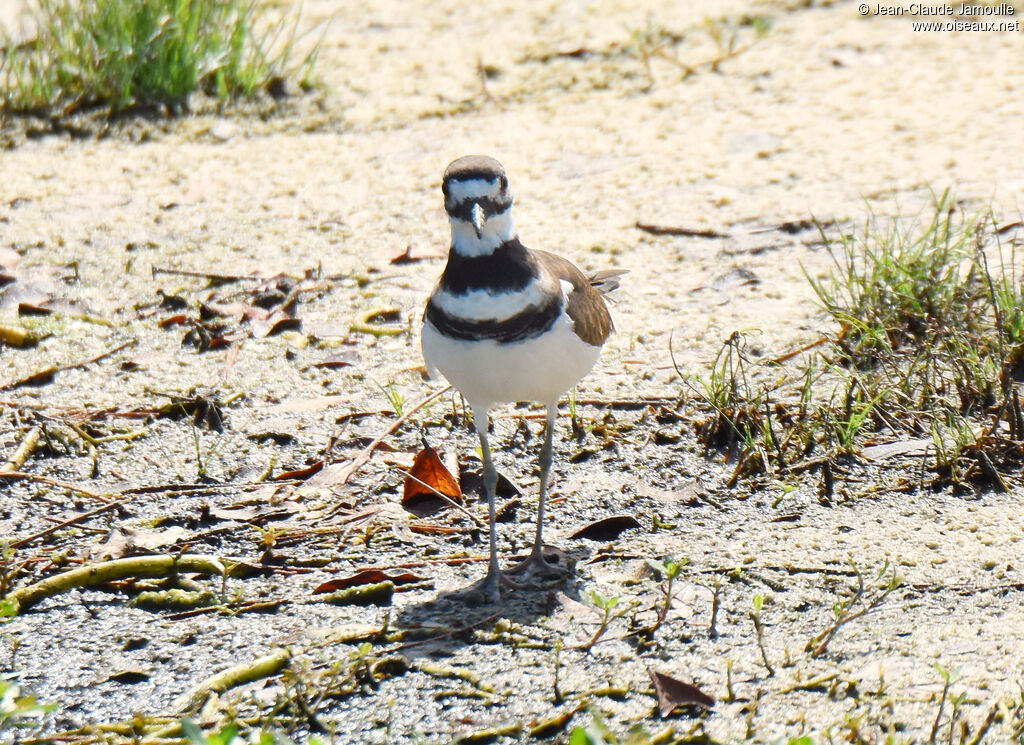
(547, 563)
(488, 589)
(542, 568)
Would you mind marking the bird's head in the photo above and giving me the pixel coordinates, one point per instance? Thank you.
(479, 204)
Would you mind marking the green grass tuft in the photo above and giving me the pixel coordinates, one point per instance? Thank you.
(928, 344)
(140, 54)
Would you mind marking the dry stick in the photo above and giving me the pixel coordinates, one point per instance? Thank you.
(55, 482)
(983, 729)
(174, 490)
(32, 405)
(28, 444)
(364, 455)
(97, 358)
(60, 526)
(438, 637)
(204, 275)
(261, 667)
(451, 502)
(159, 565)
(672, 230)
(790, 355)
(482, 72)
(72, 366)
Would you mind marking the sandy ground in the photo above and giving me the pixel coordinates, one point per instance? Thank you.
(829, 114)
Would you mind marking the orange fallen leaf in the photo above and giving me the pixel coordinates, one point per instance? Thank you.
(427, 483)
(301, 473)
(176, 320)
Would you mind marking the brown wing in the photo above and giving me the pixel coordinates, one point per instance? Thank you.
(585, 305)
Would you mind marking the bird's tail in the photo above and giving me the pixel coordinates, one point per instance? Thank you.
(606, 281)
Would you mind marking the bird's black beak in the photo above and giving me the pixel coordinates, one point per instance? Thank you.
(477, 215)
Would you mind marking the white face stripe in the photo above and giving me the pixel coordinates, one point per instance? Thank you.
(481, 305)
(460, 191)
(497, 230)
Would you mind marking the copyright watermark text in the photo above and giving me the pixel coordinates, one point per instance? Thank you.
(945, 17)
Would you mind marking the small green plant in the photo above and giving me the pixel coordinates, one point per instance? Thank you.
(755, 616)
(737, 405)
(861, 601)
(654, 41)
(204, 456)
(949, 678)
(16, 710)
(928, 341)
(225, 736)
(579, 429)
(137, 54)
(606, 605)
(726, 34)
(598, 733)
(229, 735)
(394, 397)
(669, 569)
(7, 572)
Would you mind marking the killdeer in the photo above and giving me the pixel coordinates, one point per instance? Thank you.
(505, 324)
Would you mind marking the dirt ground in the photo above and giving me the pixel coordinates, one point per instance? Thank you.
(828, 114)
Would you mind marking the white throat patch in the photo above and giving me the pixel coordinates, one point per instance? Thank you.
(497, 229)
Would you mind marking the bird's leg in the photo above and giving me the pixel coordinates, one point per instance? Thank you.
(491, 585)
(536, 564)
(546, 454)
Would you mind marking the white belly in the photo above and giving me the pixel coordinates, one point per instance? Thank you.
(540, 369)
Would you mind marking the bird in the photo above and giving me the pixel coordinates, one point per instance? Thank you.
(509, 324)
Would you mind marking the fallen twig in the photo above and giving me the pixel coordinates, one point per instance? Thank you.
(790, 355)
(448, 500)
(25, 448)
(250, 606)
(60, 526)
(51, 371)
(673, 230)
(212, 276)
(261, 667)
(178, 489)
(332, 476)
(159, 565)
(55, 482)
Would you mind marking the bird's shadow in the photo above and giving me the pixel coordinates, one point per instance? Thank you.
(455, 618)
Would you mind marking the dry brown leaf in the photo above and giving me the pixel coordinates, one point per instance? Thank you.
(301, 473)
(607, 528)
(426, 482)
(672, 693)
(275, 323)
(367, 577)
